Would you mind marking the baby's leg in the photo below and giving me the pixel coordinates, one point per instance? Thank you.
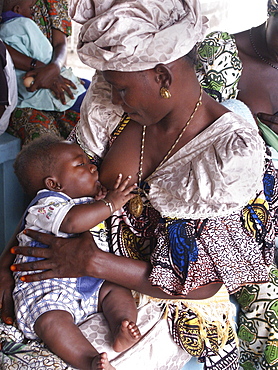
(57, 330)
(120, 311)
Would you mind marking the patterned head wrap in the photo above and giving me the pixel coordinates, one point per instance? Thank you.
(132, 35)
(272, 7)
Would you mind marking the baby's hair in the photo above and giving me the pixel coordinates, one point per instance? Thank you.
(35, 162)
(9, 4)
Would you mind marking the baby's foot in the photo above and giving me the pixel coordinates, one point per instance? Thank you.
(128, 334)
(100, 362)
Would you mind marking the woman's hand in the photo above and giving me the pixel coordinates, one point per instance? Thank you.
(65, 257)
(271, 120)
(6, 299)
(7, 280)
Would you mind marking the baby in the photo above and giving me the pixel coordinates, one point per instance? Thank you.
(70, 200)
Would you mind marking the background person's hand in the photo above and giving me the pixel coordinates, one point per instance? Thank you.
(48, 77)
(270, 120)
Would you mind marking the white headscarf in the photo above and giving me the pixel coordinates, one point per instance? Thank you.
(132, 35)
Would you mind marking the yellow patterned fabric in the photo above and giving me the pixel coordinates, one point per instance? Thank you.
(201, 325)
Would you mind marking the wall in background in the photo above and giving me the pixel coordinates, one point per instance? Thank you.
(234, 15)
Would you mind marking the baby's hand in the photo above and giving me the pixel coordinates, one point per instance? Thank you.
(121, 192)
(102, 193)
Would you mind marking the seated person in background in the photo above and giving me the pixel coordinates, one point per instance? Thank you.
(27, 123)
(8, 91)
(244, 66)
(70, 200)
(22, 33)
(257, 50)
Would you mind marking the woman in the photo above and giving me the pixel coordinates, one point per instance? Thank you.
(194, 224)
(27, 123)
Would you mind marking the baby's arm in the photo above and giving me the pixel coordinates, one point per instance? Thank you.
(83, 217)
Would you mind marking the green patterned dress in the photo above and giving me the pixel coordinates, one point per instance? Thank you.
(219, 69)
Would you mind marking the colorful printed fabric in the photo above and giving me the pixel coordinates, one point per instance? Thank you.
(187, 241)
(272, 7)
(258, 324)
(50, 14)
(28, 356)
(219, 70)
(203, 329)
(219, 67)
(133, 238)
(28, 123)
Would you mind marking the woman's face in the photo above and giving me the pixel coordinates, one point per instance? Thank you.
(272, 36)
(138, 94)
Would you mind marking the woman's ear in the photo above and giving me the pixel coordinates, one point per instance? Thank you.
(163, 75)
(52, 184)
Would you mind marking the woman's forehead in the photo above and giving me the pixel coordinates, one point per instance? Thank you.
(116, 77)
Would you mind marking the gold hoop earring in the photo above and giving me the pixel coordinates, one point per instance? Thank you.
(165, 93)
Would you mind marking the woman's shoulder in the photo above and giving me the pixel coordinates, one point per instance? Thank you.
(232, 131)
(222, 169)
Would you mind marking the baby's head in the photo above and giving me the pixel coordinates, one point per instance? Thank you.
(22, 7)
(49, 162)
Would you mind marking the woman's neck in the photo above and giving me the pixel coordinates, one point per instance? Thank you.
(260, 47)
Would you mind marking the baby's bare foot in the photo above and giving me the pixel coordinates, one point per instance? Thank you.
(128, 334)
(100, 362)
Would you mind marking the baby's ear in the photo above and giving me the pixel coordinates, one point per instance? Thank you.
(52, 184)
(16, 9)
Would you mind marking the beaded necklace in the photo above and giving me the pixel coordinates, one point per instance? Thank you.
(257, 52)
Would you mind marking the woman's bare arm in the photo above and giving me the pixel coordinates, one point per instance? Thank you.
(80, 256)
